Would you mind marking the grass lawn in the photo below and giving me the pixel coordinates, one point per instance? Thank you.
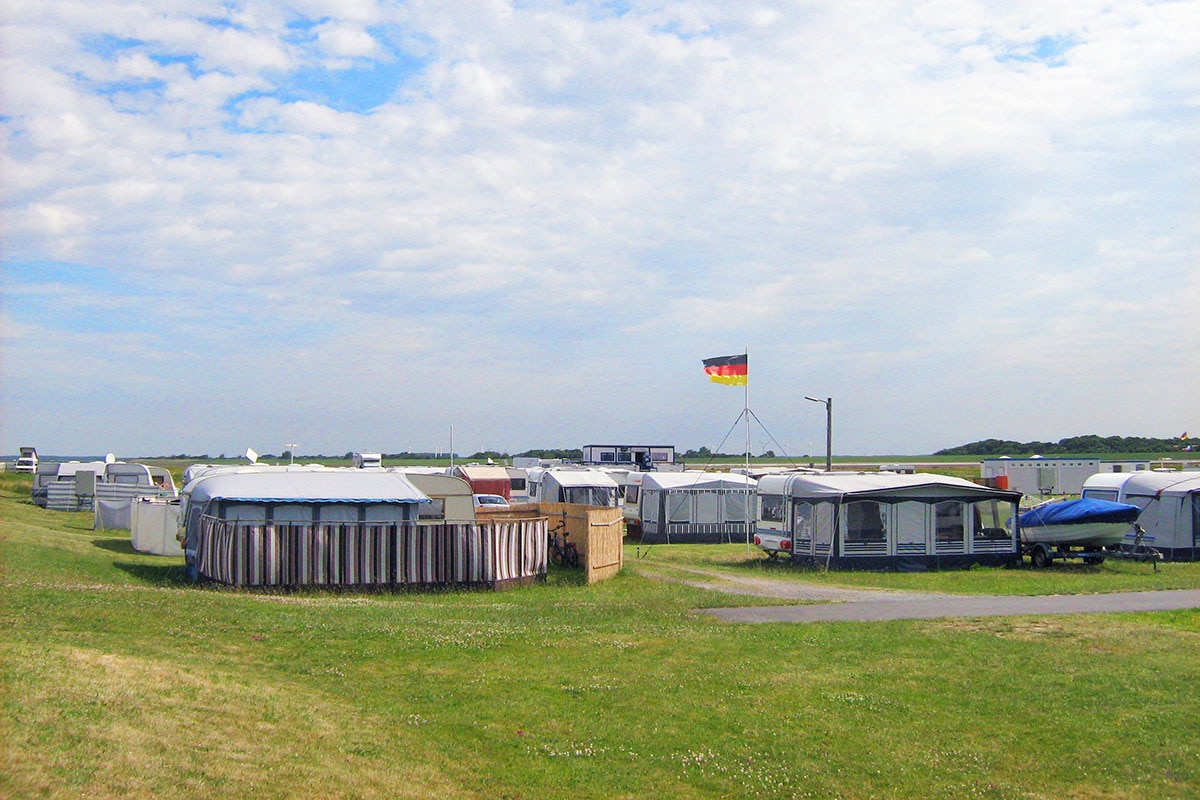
(120, 679)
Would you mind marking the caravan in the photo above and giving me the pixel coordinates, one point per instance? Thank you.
(888, 521)
(578, 485)
(1170, 503)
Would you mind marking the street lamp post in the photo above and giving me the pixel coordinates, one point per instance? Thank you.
(828, 401)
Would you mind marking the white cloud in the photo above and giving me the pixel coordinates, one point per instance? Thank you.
(346, 41)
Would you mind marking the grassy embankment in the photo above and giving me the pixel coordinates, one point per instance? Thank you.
(122, 680)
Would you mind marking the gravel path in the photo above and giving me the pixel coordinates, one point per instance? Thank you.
(833, 604)
(784, 590)
(922, 607)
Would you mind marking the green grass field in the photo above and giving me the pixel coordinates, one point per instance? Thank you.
(120, 679)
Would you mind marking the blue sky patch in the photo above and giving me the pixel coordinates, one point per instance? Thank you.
(358, 89)
(107, 46)
(1048, 50)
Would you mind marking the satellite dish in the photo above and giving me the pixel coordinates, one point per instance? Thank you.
(251, 456)
(110, 459)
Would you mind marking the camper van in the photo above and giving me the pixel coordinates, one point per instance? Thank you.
(367, 460)
(27, 461)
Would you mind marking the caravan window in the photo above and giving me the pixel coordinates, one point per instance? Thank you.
(433, 510)
(991, 519)
(949, 515)
(866, 521)
(589, 495)
(631, 492)
(770, 508)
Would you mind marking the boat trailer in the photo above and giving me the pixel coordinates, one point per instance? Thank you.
(1043, 554)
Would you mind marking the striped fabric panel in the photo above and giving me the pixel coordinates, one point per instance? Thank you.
(374, 554)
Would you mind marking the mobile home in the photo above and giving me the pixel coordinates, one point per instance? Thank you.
(1038, 475)
(630, 456)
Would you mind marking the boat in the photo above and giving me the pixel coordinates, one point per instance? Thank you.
(1086, 522)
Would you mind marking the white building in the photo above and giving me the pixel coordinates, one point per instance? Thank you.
(1046, 476)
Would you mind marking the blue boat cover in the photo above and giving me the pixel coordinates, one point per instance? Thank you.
(1071, 512)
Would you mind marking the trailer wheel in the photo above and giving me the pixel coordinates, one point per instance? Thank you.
(1041, 557)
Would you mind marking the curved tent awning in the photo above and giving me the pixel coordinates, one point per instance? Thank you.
(581, 477)
(317, 486)
(1157, 484)
(880, 486)
(696, 480)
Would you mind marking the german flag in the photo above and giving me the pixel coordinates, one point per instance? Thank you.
(729, 370)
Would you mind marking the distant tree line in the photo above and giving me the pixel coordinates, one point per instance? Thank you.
(704, 452)
(567, 454)
(1073, 445)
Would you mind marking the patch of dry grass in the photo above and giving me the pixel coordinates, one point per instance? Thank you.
(95, 724)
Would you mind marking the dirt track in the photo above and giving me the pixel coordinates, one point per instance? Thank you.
(830, 604)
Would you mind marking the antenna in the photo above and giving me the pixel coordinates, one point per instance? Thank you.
(291, 446)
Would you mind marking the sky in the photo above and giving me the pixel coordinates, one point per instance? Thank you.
(399, 226)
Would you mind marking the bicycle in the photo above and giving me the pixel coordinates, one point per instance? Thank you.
(562, 552)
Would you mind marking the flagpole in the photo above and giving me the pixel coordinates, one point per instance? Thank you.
(746, 414)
